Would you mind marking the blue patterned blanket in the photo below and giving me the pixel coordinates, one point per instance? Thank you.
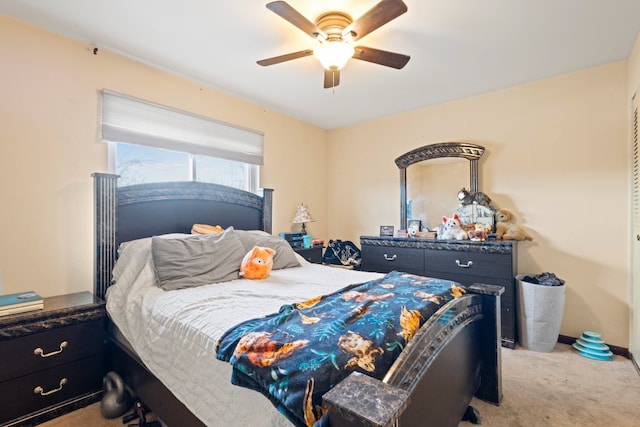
(298, 354)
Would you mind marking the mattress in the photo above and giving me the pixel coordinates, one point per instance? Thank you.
(175, 332)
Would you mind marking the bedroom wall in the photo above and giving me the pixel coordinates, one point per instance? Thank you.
(557, 156)
(49, 147)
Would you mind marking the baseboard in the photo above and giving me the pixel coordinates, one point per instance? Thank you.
(620, 351)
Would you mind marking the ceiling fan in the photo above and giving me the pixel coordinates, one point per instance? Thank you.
(336, 33)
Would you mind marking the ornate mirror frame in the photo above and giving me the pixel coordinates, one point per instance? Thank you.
(471, 152)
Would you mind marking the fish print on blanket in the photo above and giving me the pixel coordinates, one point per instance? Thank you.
(298, 354)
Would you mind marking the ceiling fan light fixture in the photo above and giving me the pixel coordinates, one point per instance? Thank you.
(333, 54)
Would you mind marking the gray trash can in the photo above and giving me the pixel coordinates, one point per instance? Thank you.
(540, 309)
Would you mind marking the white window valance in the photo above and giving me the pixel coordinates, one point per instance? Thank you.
(136, 121)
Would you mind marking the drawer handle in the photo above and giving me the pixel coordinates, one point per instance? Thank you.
(40, 352)
(388, 258)
(467, 265)
(39, 390)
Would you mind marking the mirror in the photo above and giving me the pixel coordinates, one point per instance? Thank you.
(432, 189)
(431, 178)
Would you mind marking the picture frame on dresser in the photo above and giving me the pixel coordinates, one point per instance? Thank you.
(386, 231)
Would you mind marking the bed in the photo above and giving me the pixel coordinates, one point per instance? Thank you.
(164, 343)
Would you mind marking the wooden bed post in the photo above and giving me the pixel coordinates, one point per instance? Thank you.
(491, 371)
(104, 198)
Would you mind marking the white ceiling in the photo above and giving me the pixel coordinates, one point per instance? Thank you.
(458, 48)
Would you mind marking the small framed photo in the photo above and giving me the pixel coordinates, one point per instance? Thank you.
(414, 224)
(386, 231)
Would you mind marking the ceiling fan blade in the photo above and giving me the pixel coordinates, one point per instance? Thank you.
(288, 13)
(331, 78)
(287, 57)
(375, 18)
(382, 57)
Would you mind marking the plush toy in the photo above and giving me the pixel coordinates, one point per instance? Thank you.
(506, 230)
(466, 198)
(257, 263)
(206, 229)
(451, 229)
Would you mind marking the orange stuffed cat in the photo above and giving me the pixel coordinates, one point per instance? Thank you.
(257, 263)
(206, 229)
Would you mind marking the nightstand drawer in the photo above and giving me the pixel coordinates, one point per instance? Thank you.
(468, 263)
(386, 259)
(49, 387)
(43, 350)
(313, 254)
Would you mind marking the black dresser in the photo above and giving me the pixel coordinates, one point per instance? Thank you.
(51, 360)
(467, 262)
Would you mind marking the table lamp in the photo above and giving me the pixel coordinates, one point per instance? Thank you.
(302, 216)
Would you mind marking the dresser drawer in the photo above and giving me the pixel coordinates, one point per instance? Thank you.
(44, 350)
(49, 387)
(384, 259)
(469, 263)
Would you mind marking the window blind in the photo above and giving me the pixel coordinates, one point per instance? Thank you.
(136, 121)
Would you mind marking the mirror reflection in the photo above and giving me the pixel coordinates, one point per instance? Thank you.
(432, 188)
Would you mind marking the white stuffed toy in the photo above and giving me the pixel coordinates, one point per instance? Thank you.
(452, 230)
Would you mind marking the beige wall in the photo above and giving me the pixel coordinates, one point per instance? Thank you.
(556, 155)
(49, 97)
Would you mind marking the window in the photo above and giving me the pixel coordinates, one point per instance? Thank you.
(137, 164)
(153, 143)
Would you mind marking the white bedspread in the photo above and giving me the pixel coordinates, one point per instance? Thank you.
(175, 332)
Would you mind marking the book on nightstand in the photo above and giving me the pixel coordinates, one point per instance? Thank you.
(295, 239)
(20, 303)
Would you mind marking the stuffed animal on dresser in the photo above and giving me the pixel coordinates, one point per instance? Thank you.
(451, 229)
(506, 229)
(257, 263)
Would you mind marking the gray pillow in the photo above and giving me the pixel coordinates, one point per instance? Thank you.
(285, 256)
(196, 260)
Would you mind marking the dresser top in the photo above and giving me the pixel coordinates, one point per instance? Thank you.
(486, 246)
(58, 311)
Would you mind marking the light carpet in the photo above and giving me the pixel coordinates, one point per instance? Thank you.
(557, 389)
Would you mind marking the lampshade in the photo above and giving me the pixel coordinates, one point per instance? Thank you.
(333, 54)
(302, 215)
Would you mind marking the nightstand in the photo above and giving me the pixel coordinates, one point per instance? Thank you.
(51, 359)
(313, 254)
